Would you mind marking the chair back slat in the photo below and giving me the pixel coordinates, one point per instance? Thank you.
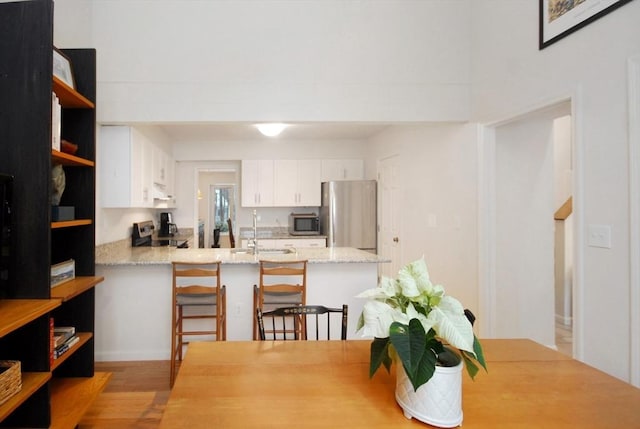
(293, 322)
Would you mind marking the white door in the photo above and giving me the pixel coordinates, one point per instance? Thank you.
(389, 216)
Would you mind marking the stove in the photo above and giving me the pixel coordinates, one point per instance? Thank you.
(142, 233)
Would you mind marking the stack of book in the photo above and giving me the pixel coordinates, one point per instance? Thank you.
(64, 337)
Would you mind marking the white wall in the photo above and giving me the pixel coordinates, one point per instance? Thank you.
(173, 60)
(439, 180)
(511, 76)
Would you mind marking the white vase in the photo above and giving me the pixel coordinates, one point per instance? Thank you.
(437, 402)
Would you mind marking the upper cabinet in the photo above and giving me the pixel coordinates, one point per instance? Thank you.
(134, 172)
(257, 183)
(342, 169)
(297, 183)
(163, 178)
(291, 182)
(125, 167)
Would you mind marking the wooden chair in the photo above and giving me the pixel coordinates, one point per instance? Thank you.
(205, 300)
(285, 322)
(282, 283)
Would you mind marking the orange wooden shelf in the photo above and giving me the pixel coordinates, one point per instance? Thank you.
(84, 337)
(69, 160)
(70, 223)
(69, 97)
(71, 397)
(15, 313)
(74, 287)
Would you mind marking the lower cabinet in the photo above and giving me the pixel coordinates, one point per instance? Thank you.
(285, 243)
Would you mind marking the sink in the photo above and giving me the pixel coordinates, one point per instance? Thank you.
(276, 251)
(264, 251)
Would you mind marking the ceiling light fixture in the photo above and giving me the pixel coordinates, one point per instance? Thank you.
(271, 130)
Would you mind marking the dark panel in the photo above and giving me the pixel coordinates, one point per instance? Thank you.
(25, 136)
(25, 416)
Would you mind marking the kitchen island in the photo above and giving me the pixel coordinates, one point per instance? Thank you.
(133, 306)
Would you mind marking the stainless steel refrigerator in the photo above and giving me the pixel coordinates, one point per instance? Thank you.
(348, 215)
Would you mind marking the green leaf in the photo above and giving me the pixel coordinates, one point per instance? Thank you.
(410, 342)
(470, 364)
(379, 355)
(477, 348)
(360, 324)
(416, 350)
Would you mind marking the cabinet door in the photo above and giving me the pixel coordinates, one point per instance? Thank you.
(286, 183)
(160, 161)
(125, 173)
(301, 243)
(297, 183)
(309, 188)
(342, 169)
(141, 164)
(257, 183)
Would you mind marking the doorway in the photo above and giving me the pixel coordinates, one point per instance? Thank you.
(517, 225)
(216, 202)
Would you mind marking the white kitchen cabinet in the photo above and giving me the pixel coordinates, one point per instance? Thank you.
(125, 167)
(163, 179)
(342, 169)
(257, 183)
(160, 167)
(299, 243)
(285, 243)
(297, 183)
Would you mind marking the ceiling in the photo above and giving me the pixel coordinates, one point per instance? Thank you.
(296, 131)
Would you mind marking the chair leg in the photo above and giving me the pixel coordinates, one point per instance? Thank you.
(179, 328)
(172, 375)
(255, 312)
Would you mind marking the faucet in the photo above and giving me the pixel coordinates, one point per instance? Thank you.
(254, 243)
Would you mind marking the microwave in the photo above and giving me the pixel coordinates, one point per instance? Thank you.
(304, 224)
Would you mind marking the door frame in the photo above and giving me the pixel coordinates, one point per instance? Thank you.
(634, 216)
(487, 217)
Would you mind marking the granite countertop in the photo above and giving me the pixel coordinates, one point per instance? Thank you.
(273, 233)
(121, 253)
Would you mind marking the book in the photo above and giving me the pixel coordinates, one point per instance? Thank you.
(61, 334)
(52, 344)
(62, 349)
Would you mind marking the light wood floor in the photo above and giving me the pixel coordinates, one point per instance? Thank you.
(134, 398)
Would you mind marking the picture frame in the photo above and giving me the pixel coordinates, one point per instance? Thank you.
(62, 68)
(559, 18)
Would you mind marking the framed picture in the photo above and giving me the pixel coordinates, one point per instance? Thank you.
(62, 68)
(559, 18)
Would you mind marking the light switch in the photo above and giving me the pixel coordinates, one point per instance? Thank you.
(432, 221)
(599, 236)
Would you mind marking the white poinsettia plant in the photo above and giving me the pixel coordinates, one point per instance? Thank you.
(425, 327)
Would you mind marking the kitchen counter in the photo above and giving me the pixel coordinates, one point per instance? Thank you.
(120, 253)
(138, 282)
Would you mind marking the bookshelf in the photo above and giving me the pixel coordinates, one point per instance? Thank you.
(54, 393)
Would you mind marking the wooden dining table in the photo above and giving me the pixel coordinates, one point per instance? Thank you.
(326, 384)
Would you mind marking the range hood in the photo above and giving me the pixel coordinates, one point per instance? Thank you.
(160, 194)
